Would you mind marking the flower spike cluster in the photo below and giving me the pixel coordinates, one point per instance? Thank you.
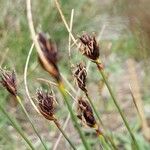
(46, 103)
(49, 61)
(8, 80)
(80, 75)
(85, 113)
(89, 47)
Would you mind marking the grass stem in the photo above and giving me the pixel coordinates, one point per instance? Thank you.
(26, 113)
(98, 63)
(103, 142)
(16, 126)
(64, 134)
(74, 118)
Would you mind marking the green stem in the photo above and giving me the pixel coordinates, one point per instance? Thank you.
(102, 140)
(26, 113)
(105, 136)
(74, 119)
(15, 125)
(115, 102)
(64, 134)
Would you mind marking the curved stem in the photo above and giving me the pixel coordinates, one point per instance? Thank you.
(26, 113)
(64, 134)
(98, 63)
(15, 125)
(74, 118)
(25, 78)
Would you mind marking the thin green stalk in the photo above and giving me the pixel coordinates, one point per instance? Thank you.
(26, 113)
(116, 103)
(74, 119)
(105, 136)
(102, 140)
(15, 125)
(64, 134)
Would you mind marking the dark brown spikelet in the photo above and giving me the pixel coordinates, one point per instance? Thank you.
(8, 80)
(89, 46)
(85, 113)
(49, 50)
(80, 75)
(46, 104)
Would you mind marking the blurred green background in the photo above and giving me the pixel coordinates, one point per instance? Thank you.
(123, 41)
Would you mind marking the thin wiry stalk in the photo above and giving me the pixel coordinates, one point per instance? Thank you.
(74, 118)
(135, 104)
(64, 134)
(141, 115)
(15, 125)
(65, 22)
(25, 78)
(98, 62)
(69, 40)
(26, 113)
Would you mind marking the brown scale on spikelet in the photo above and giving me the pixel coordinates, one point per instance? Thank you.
(8, 80)
(46, 103)
(80, 75)
(89, 46)
(49, 50)
(85, 113)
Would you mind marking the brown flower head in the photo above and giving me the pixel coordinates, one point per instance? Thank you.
(49, 61)
(46, 104)
(80, 75)
(89, 46)
(8, 80)
(85, 113)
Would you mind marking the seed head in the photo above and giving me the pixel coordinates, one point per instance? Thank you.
(49, 61)
(85, 113)
(46, 104)
(80, 75)
(89, 46)
(8, 80)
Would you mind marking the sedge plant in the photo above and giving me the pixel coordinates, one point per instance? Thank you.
(80, 75)
(90, 48)
(8, 80)
(48, 61)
